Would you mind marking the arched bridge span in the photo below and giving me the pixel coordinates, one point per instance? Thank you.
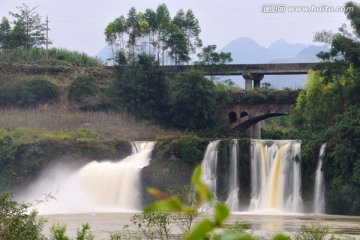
(242, 116)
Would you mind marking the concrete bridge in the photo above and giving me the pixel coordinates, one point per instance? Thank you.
(252, 73)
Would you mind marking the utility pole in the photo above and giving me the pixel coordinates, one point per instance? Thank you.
(47, 38)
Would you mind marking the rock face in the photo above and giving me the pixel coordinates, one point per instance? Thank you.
(167, 175)
(172, 165)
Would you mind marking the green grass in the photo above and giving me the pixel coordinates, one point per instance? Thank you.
(56, 56)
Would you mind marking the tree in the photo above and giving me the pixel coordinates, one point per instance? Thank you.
(342, 164)
(209, 56)
(156, 31)
(133, 29)
(140, 88)
(114, 33)
(344, 45)
(189, 26)
(16, 222)
(334, 85)
(31, 25)
(192, 101)
(5, 33)
(177, 44)
(162, 22)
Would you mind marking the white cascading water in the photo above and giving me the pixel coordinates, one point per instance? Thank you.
(319, 191)
(98, 186)
(209, 166)
(233, 198)
(275, 176)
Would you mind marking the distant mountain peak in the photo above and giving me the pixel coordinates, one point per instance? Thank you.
(245, 40)
(247, 50)
(279, 41)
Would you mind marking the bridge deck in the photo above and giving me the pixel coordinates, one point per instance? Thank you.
(241, 69)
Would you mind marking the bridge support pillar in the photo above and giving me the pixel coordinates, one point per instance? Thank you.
(257, 78)
(249, 77)
(248, 85)
(254, 130)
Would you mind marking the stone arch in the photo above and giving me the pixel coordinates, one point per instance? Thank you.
(243, 114)
(232, 117)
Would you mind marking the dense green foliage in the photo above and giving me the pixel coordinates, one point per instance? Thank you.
(29, 93)
(335, 85)
(140, 88)
(38, 90)
(188, 149)
(233, 96)
(16, 222)
(209, 56)
(192, 101)
(342, 164)
(82, 89)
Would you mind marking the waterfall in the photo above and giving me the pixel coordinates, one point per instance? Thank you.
(97, 186)
(209, 167)
(275, 176)
(233, 198)
(319, 191)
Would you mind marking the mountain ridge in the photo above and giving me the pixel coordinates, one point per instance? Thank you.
(245, 50)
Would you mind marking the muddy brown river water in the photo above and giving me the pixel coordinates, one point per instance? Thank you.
(104, 224)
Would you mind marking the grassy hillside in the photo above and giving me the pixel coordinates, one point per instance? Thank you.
(65, 92)
(55, 118)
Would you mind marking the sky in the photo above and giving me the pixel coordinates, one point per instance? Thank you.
(79, 24)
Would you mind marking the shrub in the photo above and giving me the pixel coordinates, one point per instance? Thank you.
(81, 88)
(140, 88)
(29, 93)
(38, 90)
(16, 222)
(192, 101)
(313, 232)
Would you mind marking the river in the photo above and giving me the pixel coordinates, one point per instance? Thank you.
(104, 224)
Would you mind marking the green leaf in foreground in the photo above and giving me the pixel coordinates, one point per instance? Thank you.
(236, 236)
(203, 192)
(171, 204)
(221, 213)
(200, 230)
(281, 237)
